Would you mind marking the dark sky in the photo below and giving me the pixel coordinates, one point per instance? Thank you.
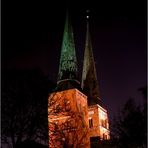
(32, 35)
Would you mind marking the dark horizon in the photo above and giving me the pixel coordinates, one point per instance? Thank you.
(32, 35)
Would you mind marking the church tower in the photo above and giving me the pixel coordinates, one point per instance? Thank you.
(67, 106)
(89, 82)
(98, 117)
(68, 69)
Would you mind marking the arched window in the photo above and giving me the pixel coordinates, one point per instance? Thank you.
(90, 123)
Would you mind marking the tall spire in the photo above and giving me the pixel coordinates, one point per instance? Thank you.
(89, 82)
(67, 74)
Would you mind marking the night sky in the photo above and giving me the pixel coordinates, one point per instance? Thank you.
(32, 34)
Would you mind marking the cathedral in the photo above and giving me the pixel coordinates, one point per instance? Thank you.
(76, 115)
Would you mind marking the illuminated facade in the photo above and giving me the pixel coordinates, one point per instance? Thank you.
(98, 122)
(75, 112)
(68, 119)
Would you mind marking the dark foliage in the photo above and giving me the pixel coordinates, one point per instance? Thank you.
(130, 126)
(30, 144)
(24, 106)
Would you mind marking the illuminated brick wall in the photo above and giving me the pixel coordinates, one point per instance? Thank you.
(68, 119)
(98, 122)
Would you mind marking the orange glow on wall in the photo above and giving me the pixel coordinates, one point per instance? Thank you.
(100, 122)
(68, 119)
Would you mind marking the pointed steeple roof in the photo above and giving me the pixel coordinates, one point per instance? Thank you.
(68, 71)
(89, 82)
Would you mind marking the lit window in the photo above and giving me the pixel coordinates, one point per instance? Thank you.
(90, 123)
(104, 136)
(104, 123)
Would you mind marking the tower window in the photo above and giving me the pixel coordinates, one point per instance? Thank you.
(104, 136)
(104, 123)
(90, 123)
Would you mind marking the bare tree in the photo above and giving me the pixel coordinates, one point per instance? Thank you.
(24, 107)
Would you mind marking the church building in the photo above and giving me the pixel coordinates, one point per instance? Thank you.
(75, 111)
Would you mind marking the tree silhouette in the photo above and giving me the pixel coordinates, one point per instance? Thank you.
(129, 128)
(143, 90)
(24, 107)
